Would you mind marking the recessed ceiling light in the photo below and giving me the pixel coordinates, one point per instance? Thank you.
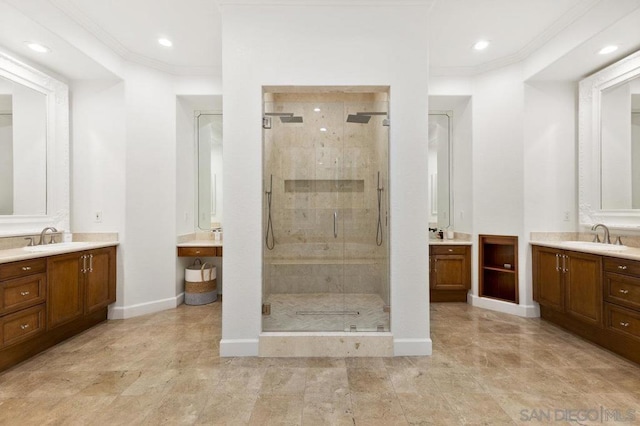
(323, 129)
(481, 44)
(316, 109)
(37, 47)
(165, 42)
(608, 49)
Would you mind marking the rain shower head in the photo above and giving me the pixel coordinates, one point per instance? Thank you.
(363, 117)
(285, 117)
(358, 118)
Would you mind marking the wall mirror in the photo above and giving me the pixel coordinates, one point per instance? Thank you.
(440, 137)
(209, 152)
(34, 149)
(609, 145)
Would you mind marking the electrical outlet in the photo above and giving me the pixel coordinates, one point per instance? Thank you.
(97, 217)
(566, 216)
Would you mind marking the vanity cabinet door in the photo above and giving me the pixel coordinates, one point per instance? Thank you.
(548, 286)
(583, 284)
(66, 290)
(449, 272)
(100, 278)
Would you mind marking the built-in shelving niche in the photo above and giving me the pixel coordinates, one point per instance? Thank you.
(499, 267)
(324, 185)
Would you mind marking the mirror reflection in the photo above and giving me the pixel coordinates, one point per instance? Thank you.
(620, 146)
(23, 150)
(209, 148)
(440, 125)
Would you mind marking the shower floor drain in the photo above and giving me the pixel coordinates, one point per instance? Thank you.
(327, 313)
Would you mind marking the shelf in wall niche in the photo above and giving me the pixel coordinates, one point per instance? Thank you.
(499, 267)
(324, 185)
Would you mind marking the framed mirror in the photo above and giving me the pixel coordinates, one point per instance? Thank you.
(34, 149)
(609, 145)
(440, 170)
(209, 160)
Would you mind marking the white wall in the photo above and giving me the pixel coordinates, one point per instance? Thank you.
(150, 214)
(98, 162)
(498, 172)
(271, 45)
(550, 166)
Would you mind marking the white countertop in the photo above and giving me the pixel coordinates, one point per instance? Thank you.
(631, 253)
(454, 242)
(12, 255)
(201, 243)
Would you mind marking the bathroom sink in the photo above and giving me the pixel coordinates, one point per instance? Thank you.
(56, 247)
(594, 246)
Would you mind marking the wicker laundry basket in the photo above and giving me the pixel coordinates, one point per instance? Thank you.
(200, 286)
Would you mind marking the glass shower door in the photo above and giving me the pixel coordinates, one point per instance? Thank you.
(364, 191)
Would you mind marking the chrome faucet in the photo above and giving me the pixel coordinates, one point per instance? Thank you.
(43, 233)
(606, 239)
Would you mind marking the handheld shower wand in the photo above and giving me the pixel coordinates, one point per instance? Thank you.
(379, 226)
(270, 242)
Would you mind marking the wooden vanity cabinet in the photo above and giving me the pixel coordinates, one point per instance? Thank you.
(100, 279)
(23, 289)
(449, 273)
(596, 297)
(569, 283)
(79, 284)
(47, 300)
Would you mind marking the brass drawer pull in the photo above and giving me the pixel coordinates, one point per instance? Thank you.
(623, 291)
(450, 250)
(26, 268)
(197, 251)
(24, 293)
(623, 267)
(624, 324)
(24, 326)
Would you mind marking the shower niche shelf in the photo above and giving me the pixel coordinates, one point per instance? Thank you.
(499, 267)
(324, 185)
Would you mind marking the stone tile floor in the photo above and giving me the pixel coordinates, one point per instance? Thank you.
(487, 368)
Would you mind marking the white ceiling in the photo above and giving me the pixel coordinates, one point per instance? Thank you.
(129, 29)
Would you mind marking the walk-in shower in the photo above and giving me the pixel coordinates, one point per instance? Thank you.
(325, 210)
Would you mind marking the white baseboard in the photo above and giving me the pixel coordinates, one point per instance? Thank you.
(412, 347)
(124, 312)
(239, 347)
(527, 311)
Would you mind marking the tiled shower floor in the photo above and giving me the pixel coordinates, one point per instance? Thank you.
(325, 312)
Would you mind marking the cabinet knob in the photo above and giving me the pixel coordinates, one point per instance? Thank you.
(26, 268)
(450, 250)
(24, 326)
(623, 267)
(623, 291)
(624, 324)
(24, 293)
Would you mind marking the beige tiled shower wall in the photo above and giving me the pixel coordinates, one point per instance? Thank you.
(307, 258)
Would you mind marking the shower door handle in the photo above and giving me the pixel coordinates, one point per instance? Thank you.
(335, 224)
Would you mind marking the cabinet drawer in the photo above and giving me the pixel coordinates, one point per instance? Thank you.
(22, 325)
(445, 249)
(621, 266)
(22, 292)
(623, 321)
(199, 251)
(622, 289)
(22, 268)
